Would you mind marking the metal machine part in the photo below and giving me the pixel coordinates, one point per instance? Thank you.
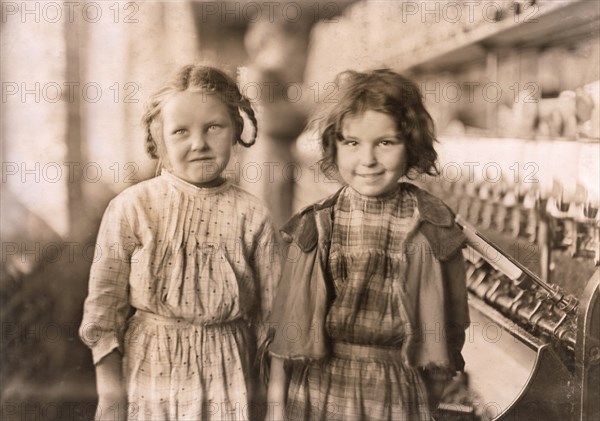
(533, 348)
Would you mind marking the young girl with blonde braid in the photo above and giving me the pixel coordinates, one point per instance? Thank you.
(184, 271)
(370, 315)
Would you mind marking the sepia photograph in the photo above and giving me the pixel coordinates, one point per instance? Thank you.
(312, 210)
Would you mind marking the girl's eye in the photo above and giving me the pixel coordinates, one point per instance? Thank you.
(214, 127)
(389, 142)
(347, 142)
(179, 132)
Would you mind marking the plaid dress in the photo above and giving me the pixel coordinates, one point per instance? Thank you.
(197, 268)
(364, 379)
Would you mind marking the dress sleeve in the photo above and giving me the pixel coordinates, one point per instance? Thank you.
(436, 301)
(457, 308)
(456, 318)
(267, 262)
(106, 307)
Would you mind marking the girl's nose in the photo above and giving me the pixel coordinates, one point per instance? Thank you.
(199, 142)
(367, 157)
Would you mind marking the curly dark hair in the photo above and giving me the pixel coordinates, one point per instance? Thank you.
(205, 79)
(385, 91)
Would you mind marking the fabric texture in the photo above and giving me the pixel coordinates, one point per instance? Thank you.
(197, 268)
(377, 276)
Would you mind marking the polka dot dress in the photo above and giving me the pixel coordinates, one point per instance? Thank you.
(197, 267)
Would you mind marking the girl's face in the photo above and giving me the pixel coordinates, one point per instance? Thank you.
(370, 156)
(198, 137)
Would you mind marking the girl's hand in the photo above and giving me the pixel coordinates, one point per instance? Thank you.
(112, 408)
(435, 391)
(435, 382)
(276, 394)
(112, 395)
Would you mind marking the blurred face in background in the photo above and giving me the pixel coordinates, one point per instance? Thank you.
(371, 157)
(198, 136)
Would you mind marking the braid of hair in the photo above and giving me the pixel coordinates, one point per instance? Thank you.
(246, 107)
(151, 146)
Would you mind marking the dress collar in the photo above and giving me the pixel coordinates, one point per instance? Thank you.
(192, 189)
(431, 209)
(370, 199)
(314, 220)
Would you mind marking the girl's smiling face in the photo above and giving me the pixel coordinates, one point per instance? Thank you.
(198, 137)
(371, 157)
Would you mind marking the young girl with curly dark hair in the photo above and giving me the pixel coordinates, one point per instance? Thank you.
(369, 318)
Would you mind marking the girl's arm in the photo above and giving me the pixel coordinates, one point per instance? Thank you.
(267, 261)
(107, 307)
(112, 396)
(277, 391)
(457, 320)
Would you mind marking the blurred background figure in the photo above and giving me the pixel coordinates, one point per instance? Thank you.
(277, 51)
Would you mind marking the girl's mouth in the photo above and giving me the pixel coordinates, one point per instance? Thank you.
(370, 175)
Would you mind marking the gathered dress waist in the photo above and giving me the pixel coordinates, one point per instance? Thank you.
(356, 352)
(157, 319)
